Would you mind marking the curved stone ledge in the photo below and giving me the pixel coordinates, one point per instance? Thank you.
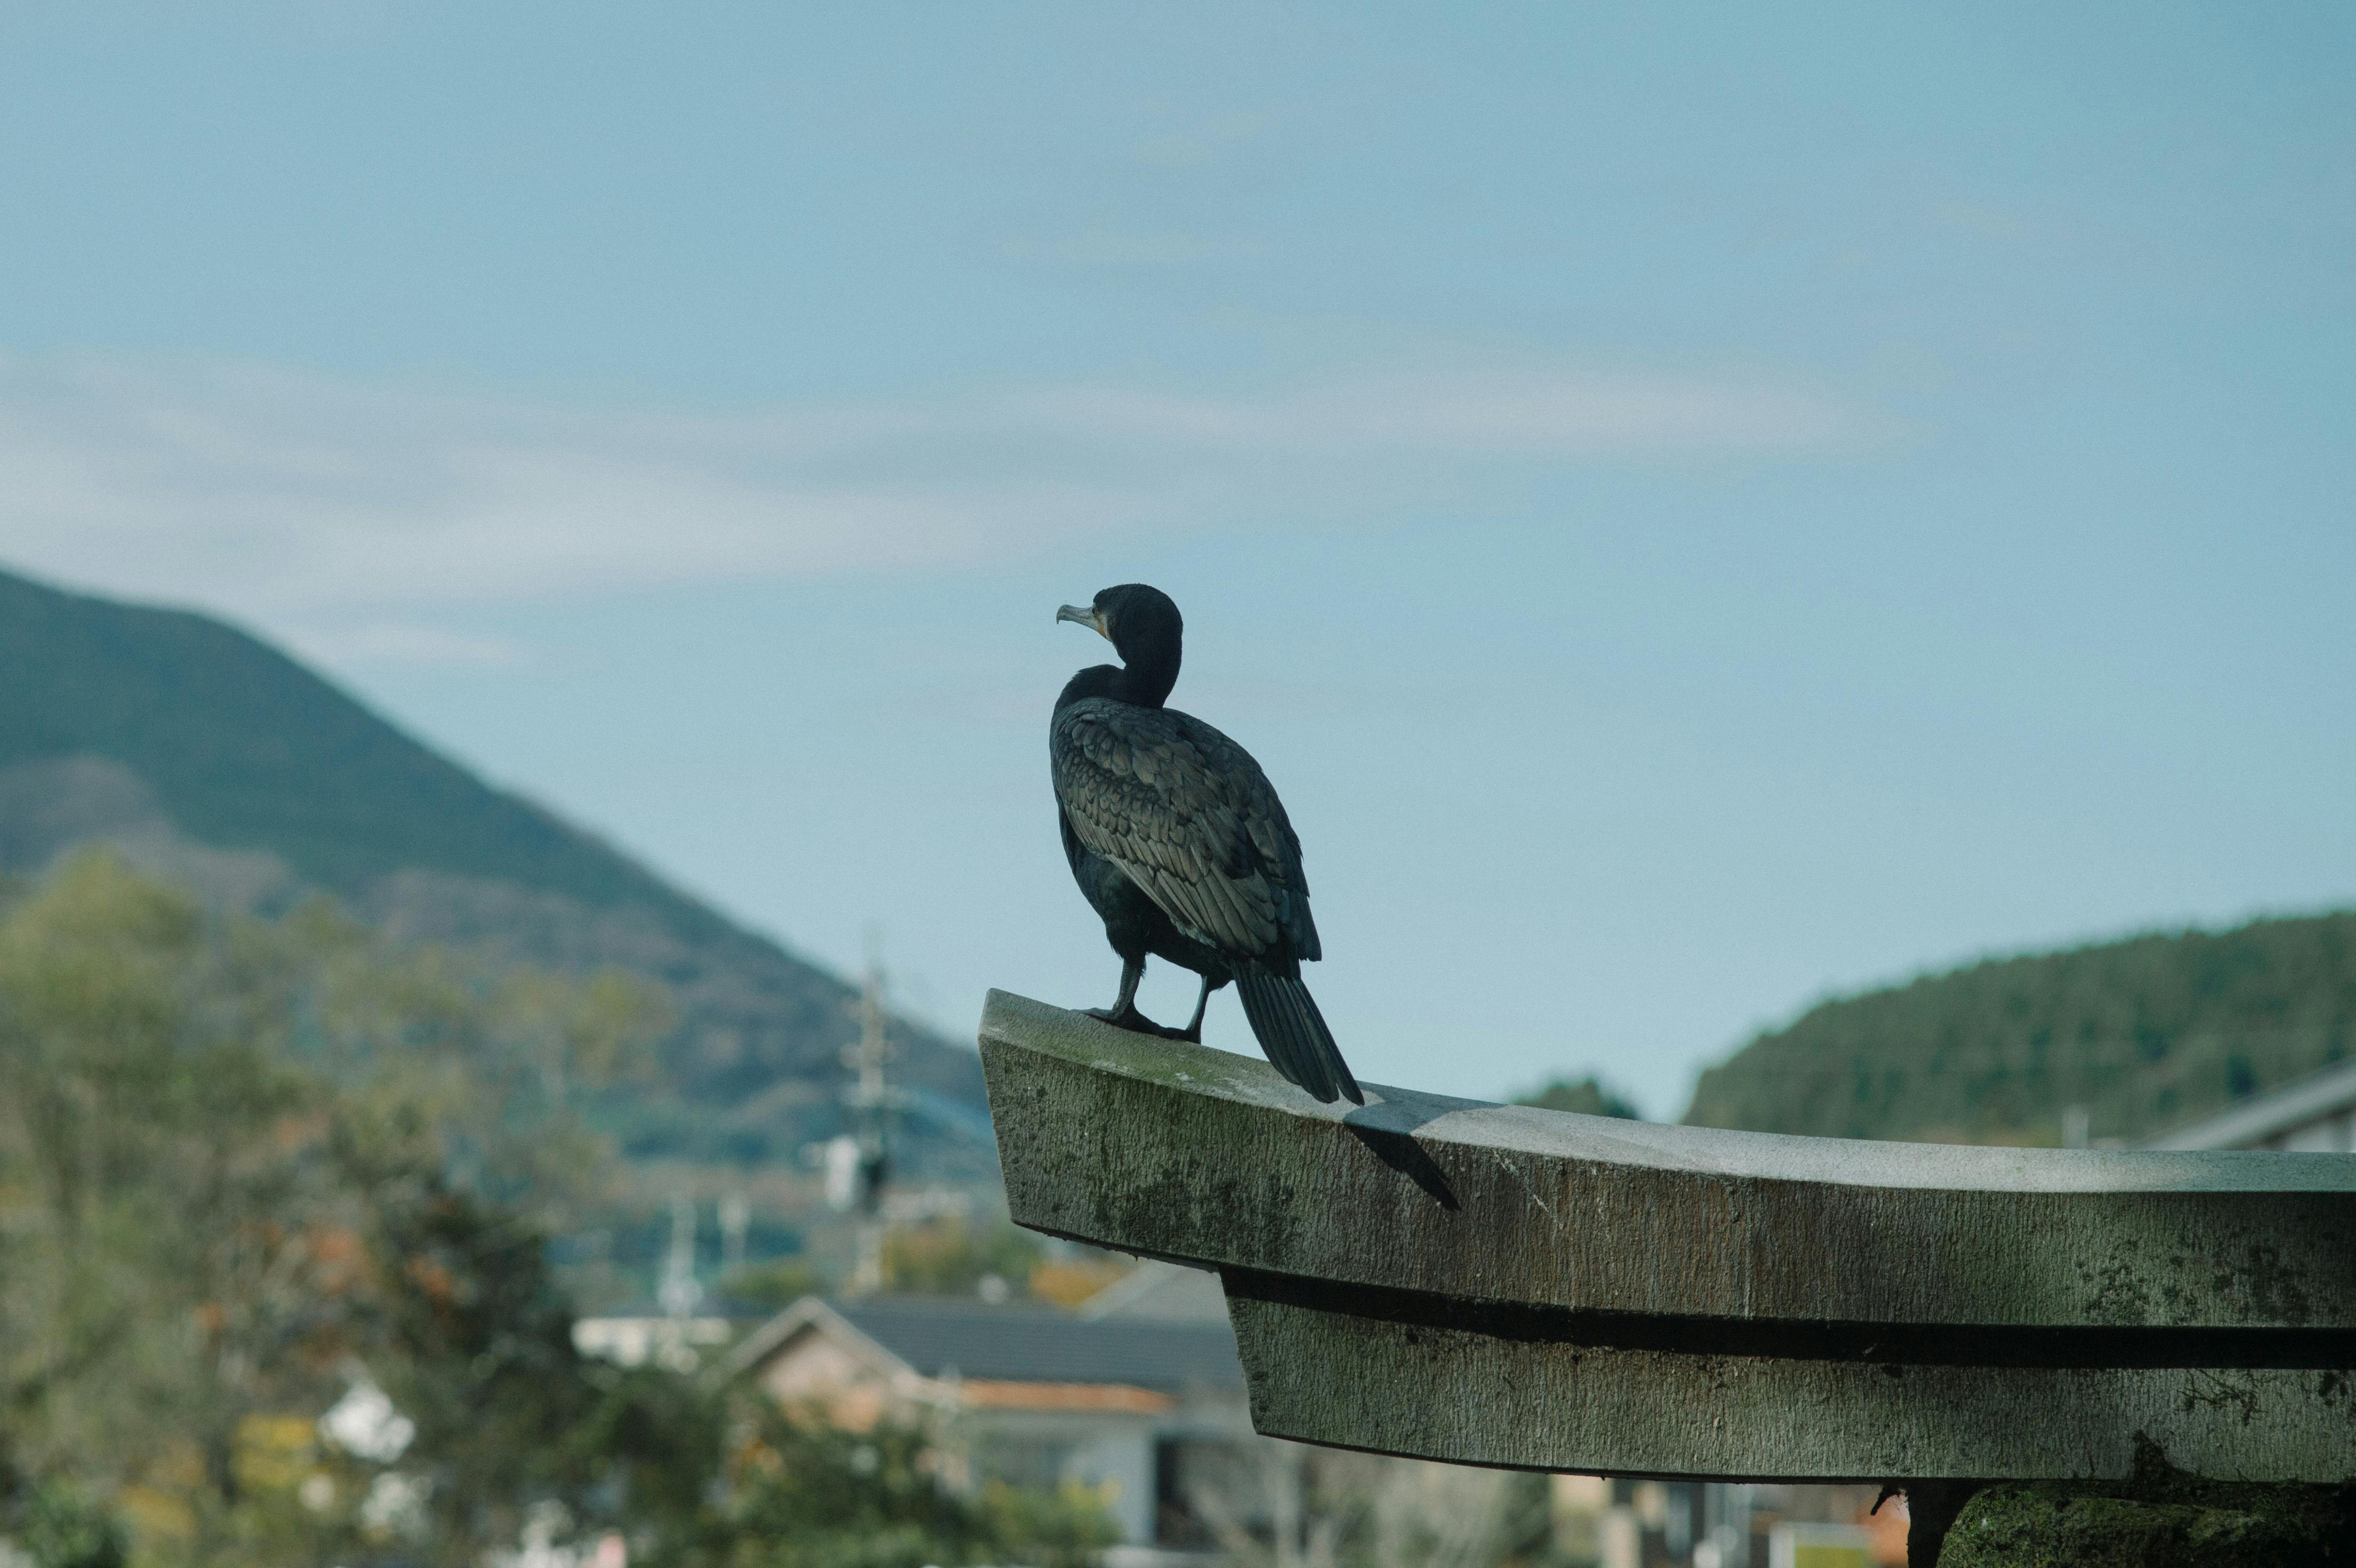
(1505, 1286)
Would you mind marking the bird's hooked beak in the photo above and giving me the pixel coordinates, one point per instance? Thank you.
(1086, 615)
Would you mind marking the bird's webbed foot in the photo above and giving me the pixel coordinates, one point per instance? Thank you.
(1128, 1018)
(1123, 1013)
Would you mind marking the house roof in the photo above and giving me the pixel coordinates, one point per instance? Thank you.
(934, 1337)
(2252, 1122)
(1117, 1399)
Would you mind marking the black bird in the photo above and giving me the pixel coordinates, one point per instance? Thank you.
(1179, 841)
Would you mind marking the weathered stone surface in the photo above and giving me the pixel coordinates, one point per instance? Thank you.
(2156, 1519)
(1501, 1285)
(1562, 1402)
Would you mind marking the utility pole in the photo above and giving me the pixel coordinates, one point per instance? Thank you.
(735, 1218)
(681, 1293)
(869, 1100)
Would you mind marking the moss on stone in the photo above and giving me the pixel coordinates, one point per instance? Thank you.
(2160, 1517)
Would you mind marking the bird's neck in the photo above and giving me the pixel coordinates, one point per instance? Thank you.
(1150, 658)
(1142, 684)
(1146, 684)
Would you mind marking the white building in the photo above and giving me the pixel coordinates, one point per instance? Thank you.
(636, 1338)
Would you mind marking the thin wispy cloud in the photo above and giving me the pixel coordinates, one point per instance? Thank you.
(1564, 416)
(279, 494)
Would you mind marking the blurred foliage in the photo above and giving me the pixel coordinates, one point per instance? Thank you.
(274, 1200)
(947, 1256)
(951, 1256)
(717, 1484)
(1068, 1281)
(808, 1496)
(56, 1526)
(775, 1285)
(1586, 1096)
(249, 1167)
(2144, 1034)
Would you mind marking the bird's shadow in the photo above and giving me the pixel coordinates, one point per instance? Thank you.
(1388, 1128)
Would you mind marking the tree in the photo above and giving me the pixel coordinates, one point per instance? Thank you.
(250, 1164)
(805, 1495)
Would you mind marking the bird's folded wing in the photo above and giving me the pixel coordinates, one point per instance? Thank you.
(1188, 814)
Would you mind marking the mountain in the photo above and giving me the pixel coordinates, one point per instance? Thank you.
(2143, 1034)
(208, 756)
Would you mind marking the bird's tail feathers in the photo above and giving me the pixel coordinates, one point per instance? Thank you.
(1290, 1030)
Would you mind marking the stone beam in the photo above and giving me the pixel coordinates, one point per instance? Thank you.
(1499, 1285)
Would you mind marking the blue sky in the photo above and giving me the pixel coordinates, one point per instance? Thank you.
(1697, 508)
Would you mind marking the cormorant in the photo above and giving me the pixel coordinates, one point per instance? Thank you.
(1179, 841)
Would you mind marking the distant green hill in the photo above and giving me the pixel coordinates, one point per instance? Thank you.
(1586, 1096)
(205, 755)
(247, 748)
(2146, 1034)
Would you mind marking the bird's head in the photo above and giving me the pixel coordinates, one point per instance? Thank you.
(1139, 621)
(1144, 625)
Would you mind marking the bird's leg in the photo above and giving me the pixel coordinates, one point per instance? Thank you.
(1194, 1029)
(1132, 970)
(1123, 1013)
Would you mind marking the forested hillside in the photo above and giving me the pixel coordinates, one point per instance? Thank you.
(2146, 1034)
(205, 755)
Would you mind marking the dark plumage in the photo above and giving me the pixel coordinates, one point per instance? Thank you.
(1178, 841)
